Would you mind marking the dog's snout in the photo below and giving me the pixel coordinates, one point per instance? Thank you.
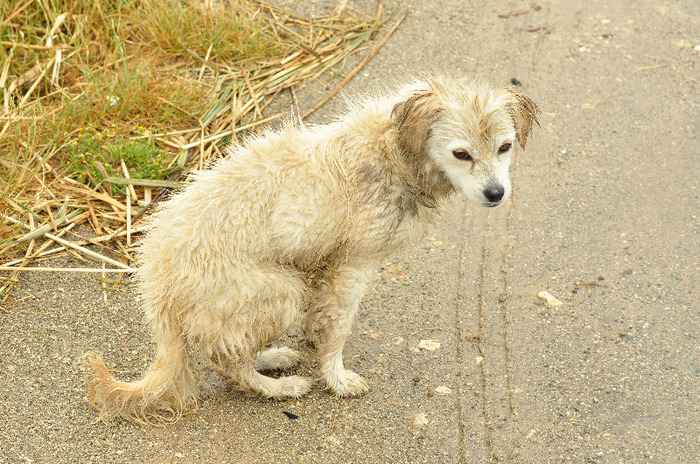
(494, 193)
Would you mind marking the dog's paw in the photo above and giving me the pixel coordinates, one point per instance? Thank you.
(295, 386)
(348, 383)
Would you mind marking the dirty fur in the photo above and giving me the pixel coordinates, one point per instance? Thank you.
(290, 228)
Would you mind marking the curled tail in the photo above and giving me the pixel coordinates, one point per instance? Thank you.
(169, 388)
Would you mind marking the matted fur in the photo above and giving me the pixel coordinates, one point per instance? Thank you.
(290, 228)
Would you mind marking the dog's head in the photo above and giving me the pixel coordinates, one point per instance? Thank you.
(468, 132)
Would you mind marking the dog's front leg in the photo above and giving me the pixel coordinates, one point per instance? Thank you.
(329, 321)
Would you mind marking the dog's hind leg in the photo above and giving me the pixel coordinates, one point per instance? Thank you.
(277, 358)
(292, 386)
(329, 321)
(242, 317)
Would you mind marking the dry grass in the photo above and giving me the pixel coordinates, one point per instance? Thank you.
(107, 105)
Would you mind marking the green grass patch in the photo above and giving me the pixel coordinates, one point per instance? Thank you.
(95, 156)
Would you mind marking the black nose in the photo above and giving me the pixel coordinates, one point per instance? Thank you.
(494, 193)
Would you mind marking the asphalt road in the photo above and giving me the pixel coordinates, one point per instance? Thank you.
(604, 216)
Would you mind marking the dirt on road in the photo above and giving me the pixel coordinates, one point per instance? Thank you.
(604, 217)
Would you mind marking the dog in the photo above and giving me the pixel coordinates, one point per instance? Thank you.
(291, 226)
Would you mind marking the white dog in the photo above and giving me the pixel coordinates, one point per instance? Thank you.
(292, 226)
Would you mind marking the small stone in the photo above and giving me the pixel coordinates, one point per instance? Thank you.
(548, 298)
(398, 270)
(479, 360)
(429, 345)
(681, 43)
(420, 420)
(443, 390)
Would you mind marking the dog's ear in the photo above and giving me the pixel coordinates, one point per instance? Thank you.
(412, 118)
(524, 112)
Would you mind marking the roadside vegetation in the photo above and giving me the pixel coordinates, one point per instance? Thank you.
(108, 104)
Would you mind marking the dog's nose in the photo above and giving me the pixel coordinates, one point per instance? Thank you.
(494, 193)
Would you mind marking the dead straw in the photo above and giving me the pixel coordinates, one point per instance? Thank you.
(359, 67)
(66, 269)
(44, 190)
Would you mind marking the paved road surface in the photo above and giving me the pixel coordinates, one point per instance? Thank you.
(604, 217)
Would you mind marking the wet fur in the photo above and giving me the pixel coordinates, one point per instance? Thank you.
(290, 228)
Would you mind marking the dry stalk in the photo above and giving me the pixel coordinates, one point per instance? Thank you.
(240, 92)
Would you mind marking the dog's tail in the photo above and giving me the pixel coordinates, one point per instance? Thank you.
(169, 388)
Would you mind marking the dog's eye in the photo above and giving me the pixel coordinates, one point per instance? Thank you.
(462, 155)
(505, 147)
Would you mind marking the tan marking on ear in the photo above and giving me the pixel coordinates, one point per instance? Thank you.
(413, 117)
(524, 112)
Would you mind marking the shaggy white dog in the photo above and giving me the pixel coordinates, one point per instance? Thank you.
(291, 226)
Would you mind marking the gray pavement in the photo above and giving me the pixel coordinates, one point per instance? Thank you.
(604, 216)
